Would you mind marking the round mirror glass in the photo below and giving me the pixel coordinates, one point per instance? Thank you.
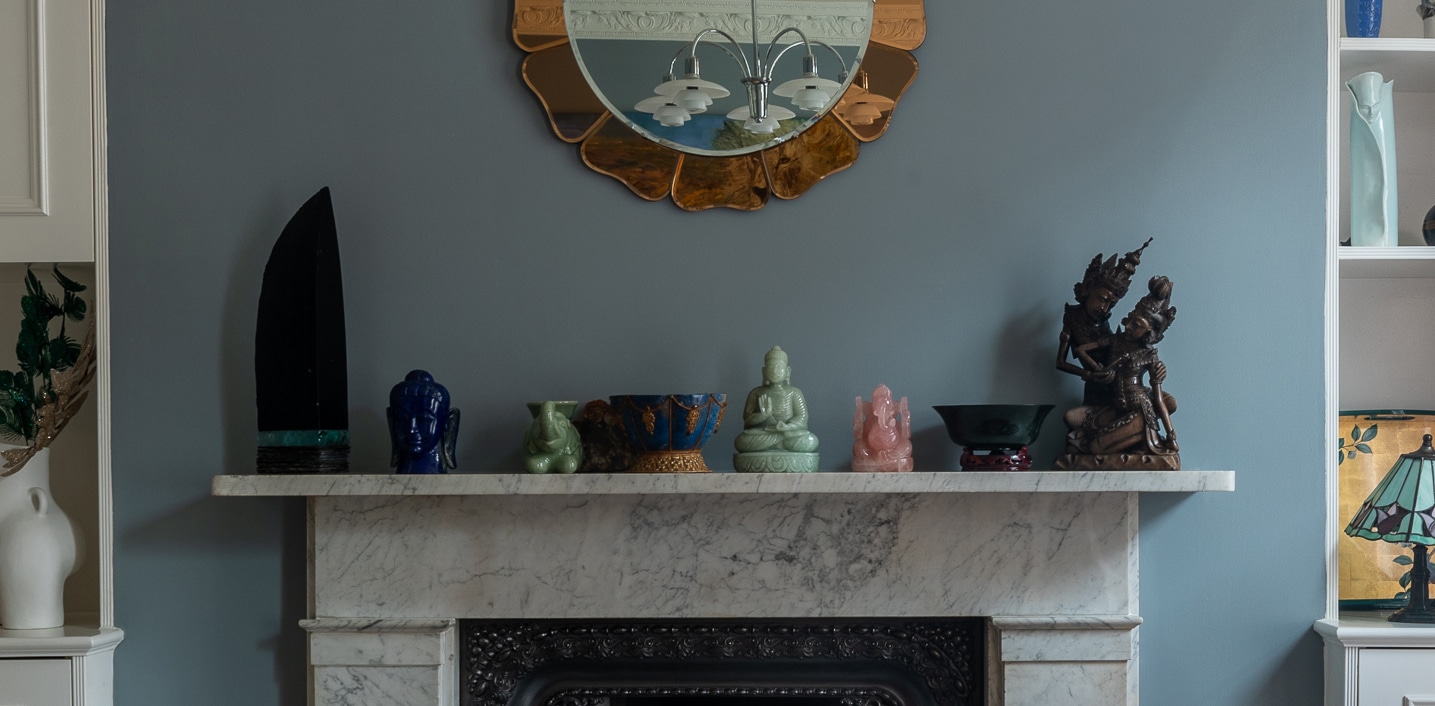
(690, 74)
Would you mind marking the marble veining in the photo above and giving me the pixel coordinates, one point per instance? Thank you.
(350, 686)
(724, 556)
(727, 483)
(1067, 683)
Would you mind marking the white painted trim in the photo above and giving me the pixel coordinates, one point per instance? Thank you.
(1377, 633)
(38, 204)
(103, 414)
(77, 681)
(1393, 254)
(1332, 311)
(1352, 675)
(58, 642)
(94, 679)
(1419, 701)
(1381, 44)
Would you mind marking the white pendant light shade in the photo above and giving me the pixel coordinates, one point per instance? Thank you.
(789, 89)
(671, 88)
(862, 114)
(862, 107)
(671, 115)
(651, 105)
(693, 100)
(774, 112)
(811, 99)
(760, 127)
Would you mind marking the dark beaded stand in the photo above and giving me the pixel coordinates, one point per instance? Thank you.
(998, 460)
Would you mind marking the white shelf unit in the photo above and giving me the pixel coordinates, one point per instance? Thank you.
(1378, 340)
(54, 209)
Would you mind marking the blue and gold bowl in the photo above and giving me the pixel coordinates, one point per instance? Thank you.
(669, 431)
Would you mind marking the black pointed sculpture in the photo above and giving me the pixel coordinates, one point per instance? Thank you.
(300, 367)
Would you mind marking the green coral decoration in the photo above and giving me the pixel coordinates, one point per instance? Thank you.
(40, 355)
(1358, 443)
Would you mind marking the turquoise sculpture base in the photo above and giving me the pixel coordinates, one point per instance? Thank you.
(774, 462)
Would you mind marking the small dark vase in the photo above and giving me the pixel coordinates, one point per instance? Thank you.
(1428, 229)
(1362, 18)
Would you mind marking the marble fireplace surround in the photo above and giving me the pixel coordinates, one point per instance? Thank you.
(1050, 557)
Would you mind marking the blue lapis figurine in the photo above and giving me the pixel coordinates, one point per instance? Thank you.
(422, 429)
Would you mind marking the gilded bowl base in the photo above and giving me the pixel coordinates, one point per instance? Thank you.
(670, 462)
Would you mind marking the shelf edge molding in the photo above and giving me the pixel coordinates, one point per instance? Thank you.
(838, 482)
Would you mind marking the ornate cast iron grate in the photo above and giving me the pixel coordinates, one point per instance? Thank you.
(873, 662)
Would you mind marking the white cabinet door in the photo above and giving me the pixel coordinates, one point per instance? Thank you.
(1397, 677)
(35, 682)
(47, 132)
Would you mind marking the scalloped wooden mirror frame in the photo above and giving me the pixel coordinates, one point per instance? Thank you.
(696, 182)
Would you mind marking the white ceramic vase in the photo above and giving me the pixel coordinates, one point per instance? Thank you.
(39, 549)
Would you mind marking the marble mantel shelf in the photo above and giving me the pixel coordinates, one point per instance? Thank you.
(727, 483)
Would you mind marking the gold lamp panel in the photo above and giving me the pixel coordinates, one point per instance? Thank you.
(698, 182)
(1370, 573)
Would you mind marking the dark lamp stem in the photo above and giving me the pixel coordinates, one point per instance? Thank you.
(1419, 609)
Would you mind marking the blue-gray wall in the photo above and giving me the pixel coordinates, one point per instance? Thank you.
(477, 246)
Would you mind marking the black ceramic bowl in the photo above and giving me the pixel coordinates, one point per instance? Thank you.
(993, 427)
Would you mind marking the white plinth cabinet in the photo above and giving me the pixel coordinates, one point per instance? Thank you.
(53, 209)
(70, 666)
(1371, 662)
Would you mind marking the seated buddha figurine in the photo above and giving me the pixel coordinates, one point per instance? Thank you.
(423, 430)
(774, 437)
(551, 444)
(882, 433)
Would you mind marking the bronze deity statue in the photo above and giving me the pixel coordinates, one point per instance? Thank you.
(1122, 424)
(1088, 320)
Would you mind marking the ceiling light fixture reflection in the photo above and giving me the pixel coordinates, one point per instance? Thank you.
(860, 106)
(692, 94)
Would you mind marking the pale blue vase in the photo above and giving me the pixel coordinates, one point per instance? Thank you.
(1372, 162)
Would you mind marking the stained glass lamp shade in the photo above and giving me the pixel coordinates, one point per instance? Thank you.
(1402, 509)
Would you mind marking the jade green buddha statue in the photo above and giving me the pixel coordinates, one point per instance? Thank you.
(774, 437)
(552, 444)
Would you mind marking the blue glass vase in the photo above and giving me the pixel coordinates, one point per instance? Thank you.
(1362, 18)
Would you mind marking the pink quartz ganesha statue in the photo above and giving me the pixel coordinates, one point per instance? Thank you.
(882, 431)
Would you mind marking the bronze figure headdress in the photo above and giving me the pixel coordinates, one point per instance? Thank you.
(1114, 275)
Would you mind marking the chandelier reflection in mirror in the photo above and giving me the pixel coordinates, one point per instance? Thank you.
(588, 60)
(678, 99)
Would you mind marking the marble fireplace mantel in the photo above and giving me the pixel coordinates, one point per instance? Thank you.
(1050, 557)
(727, 483)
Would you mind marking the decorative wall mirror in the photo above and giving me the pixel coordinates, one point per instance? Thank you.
(719, 103)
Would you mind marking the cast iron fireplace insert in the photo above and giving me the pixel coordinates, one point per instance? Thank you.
(727, 662)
